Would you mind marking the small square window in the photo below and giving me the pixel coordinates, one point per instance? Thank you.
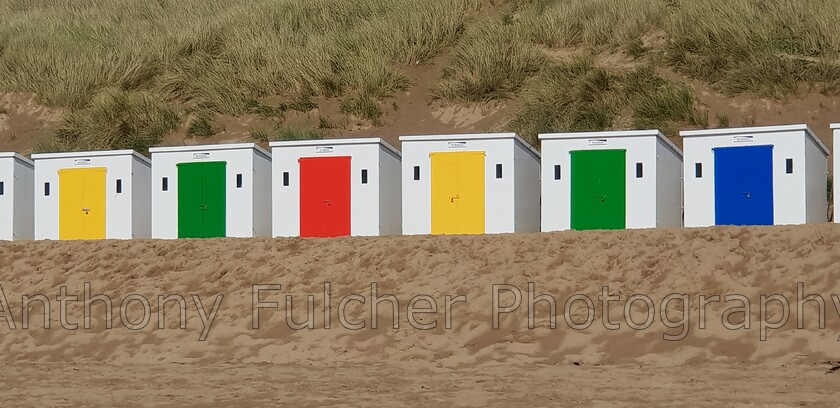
(416, 172)
(285, 179)
(364, 176)
(238, 181)
(165, 184)
(47, 189)
(119, 186)
(698, 170)
(557, 172)
(789, 166)
(499, 171)
(639, 170)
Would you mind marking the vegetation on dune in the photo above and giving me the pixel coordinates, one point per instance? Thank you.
(771, 48)
(202, 125)
(588, 23)
(128, 71)
(217, 55)
(580, 96)
(288, 133)
(362, 107)
(491, 62)
(114, 119)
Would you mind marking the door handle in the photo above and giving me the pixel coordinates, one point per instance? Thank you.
(601, 197)
(327, 202)
(203, 206)
(453, 198)
(746, 193)
(86, 210)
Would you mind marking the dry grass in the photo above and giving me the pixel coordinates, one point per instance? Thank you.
(580, 96)
(491, 62)
(588, 23)
(770, 48)
(363, 107)
(221, 56)
(218, 55)
(115, 119)
(202, 125)
(291, 133)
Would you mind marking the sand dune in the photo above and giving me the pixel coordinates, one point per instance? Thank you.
(657, 263)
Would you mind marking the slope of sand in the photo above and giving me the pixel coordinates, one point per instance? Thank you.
(469, 363)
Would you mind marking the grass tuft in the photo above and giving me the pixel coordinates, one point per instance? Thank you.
(580, 96)
(363, 107)
(302, 105)
(290, 133)
(259, 135)
(590, 23)
(492, 62)
(115, 119)
(325, 123)
(636, 48)
(202, 125)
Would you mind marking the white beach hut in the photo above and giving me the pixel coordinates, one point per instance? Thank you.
(835, 129)
(610, 180)
(92, 195)
(335, 187)
(211, 191)
(469, 184)
(769, 175)
(16, 180)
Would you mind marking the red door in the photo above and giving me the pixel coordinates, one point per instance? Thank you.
(324, 196)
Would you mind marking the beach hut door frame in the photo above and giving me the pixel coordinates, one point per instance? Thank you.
(457, 192)
(202, 199)
(325, 196)
(598, 189)
(81, 203)
(743, 185)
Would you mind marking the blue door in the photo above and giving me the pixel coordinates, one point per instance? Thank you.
(744, 185)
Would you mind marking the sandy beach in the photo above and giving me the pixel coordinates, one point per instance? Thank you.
(248, 336)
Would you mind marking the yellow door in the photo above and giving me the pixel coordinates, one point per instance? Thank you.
(94, 208)
(81, 203)
(457, 192)
(471, 191)
(71, 198)
(444, 192)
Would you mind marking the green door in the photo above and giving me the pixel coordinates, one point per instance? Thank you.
(201, 200)
(598, 189)
(215, 197)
